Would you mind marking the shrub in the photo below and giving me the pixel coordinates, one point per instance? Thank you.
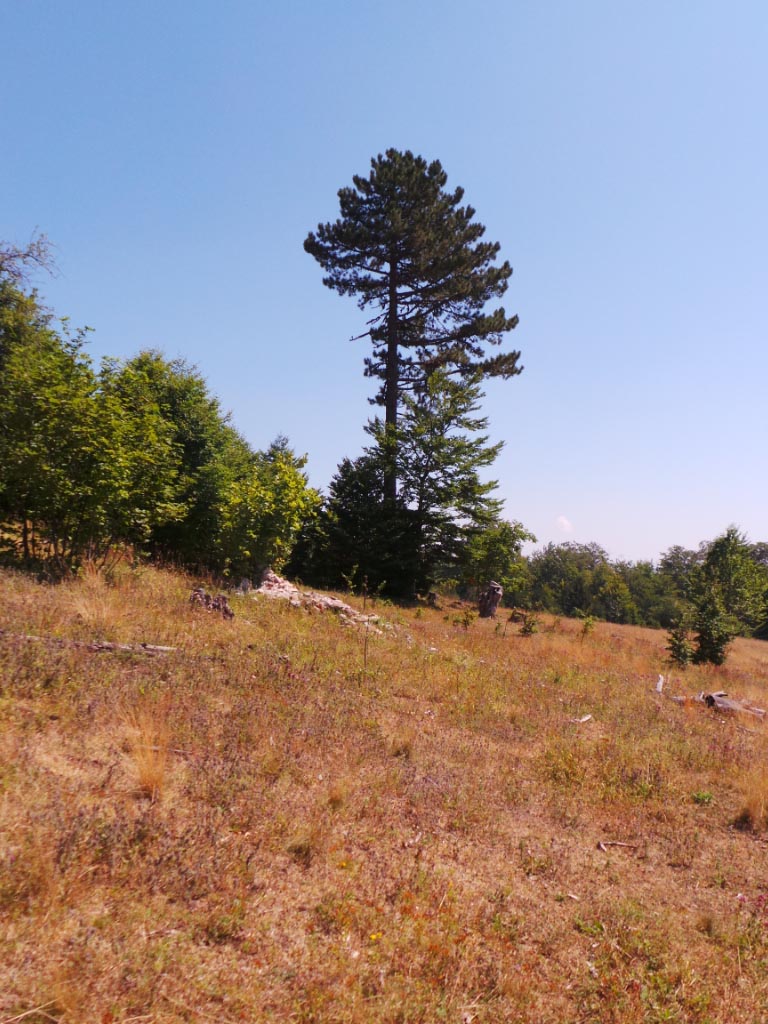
(715, 630)
(679, 644)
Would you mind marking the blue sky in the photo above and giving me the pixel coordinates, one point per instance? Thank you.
(177, 154)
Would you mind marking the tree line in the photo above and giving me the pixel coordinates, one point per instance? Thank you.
(133, 454)
(704, 596)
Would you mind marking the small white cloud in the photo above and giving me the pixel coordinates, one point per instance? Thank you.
(564, 525)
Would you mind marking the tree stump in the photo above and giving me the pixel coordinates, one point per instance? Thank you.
(489, 600)
(203, 599)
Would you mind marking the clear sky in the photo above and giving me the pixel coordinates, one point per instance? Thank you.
(178, 153)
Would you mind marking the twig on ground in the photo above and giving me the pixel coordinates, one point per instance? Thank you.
(28, 1013)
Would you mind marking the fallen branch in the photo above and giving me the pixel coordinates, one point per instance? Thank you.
(720, 701)
(605, 843)
(90, 645)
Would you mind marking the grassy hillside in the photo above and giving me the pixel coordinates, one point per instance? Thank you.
(289, 819)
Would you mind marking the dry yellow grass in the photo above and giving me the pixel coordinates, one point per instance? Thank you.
(147, 738)
(275, 823)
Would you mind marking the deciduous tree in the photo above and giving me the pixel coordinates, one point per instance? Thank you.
(18, 262)
(494, 553)
(262, 511)
(78, 471)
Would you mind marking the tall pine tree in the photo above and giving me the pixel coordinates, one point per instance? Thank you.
(407, 248)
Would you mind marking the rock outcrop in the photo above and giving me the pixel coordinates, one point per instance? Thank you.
(276, 588)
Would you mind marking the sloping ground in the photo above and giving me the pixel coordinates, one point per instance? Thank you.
(288, 820)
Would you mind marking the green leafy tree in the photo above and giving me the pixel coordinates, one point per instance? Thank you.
(210, 456)
(413, 255)
(678, 566)
(137, 454)
(715, 629)
(759, 555)
(48, 434)
(738, 583)
(239, 510)
(580, 579)
(78, 475)
(681, 650)
(262, 511)
(494, 553)
(562, 576)
(22, 319)
(726, 597)
(653, 594)
(441, 452)
(610, 597)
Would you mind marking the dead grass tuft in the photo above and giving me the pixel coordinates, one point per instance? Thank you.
(147, 743)
(753, 814)
(304, 845)
(338, 793)
(401, 744)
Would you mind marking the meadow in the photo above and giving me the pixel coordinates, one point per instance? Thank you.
(435, 819)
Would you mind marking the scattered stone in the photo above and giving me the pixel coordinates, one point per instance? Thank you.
(276, 587)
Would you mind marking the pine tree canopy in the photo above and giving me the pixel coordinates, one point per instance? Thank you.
(407, 248)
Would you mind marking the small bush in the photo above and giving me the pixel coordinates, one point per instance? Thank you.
(530, 624)
(679, 645)
(587, 626)
(303, 846)
(402, 745)
(715, 634)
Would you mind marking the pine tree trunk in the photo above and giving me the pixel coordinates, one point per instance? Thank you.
(391, 389)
